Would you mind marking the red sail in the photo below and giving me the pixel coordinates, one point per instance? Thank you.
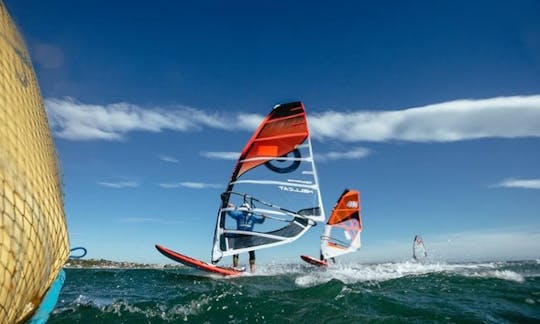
(347, 207)
(280, 132)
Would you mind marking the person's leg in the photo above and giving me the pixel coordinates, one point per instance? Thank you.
(235, 260)
(251, 261)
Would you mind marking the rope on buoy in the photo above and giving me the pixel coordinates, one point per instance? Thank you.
(78, 256)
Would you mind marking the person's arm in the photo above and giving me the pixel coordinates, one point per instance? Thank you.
(236, 214)
(259, 219)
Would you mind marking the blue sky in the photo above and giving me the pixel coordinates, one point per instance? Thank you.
(431, 110)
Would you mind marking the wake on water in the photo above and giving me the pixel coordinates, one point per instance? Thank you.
(435, 292)
(357, 273)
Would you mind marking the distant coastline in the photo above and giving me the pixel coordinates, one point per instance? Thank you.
(107, 264)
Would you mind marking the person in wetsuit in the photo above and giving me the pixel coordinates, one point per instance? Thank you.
(331, 259)
(245, 220)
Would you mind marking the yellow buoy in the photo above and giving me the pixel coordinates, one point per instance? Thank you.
(33, 234)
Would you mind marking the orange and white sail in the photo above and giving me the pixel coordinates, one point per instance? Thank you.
(275, 175)
(342, 230)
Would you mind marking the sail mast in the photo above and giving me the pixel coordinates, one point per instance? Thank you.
(316, 177)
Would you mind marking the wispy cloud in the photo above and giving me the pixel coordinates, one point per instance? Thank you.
(505, 117)
(120, 184)
(72, 120)
(221, 155)
(191, 185)
(352, 154)
(166, 158)
(136, 220)
(500, 117)
(139, 220)
(519, 183)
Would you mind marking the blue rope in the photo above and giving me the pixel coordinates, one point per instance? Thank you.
(49, 301)
(78, 256)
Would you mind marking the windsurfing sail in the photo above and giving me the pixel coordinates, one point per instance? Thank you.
(419, 249)
(33, 234)
(342, 231)
(276, 176)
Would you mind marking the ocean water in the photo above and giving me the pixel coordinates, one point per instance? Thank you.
(491, 292)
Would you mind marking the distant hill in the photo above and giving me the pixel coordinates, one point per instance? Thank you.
(107, 264)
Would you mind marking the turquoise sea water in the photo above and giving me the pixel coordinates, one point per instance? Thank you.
(493, 292)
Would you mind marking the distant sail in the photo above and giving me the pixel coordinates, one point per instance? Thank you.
(342, 231)
(419, 249)
(276, 175)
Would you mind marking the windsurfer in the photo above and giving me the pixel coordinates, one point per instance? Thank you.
(245, 220)
(331, 259)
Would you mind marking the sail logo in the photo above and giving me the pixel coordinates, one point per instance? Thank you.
(297, 190)
(352, 204)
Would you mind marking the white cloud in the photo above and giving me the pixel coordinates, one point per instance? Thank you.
(139, 220)
(501, 117)
(120, 184)
(147, 220)
(352, 154)
(505, 117)
(249, 121)
(72, 120)
(519, 183)
(221, 155)
(166, 158)
(192, 185)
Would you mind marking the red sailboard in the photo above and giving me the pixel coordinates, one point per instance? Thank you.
(194, 263)
(313, 261)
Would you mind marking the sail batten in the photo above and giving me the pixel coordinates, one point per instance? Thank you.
(275, 170)
(274, 237)
(280, 137)
(266, 158)
(279, 183)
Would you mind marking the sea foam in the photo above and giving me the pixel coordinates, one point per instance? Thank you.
(348, 274)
